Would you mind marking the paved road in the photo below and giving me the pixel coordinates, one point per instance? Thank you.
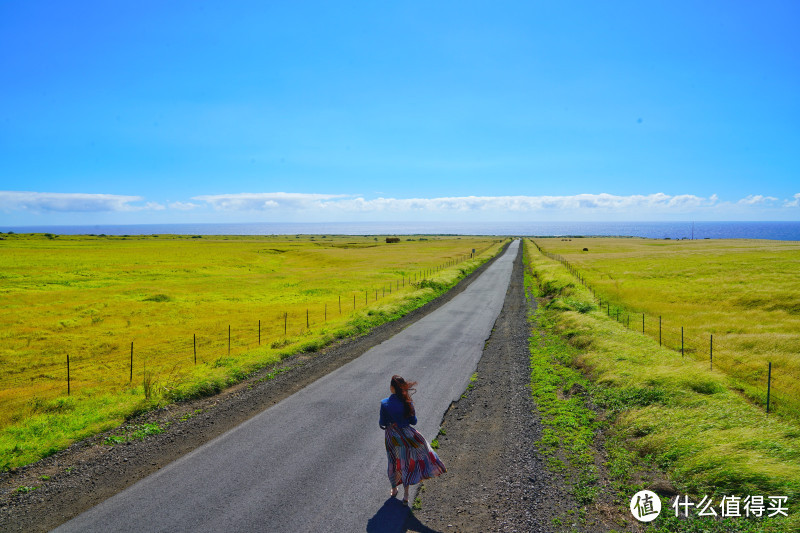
(316, 460)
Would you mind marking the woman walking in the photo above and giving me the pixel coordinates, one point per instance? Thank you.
(411, 458)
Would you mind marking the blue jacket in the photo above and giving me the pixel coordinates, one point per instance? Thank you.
(393, 410)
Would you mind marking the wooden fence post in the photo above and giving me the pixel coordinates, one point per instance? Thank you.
(769, 383)
(681, 341)
(285, 319)
(308, 325)
(642, 323)
(68, 387)
(131, 380)
(259, 332)
(659, 330)
(194, 342)
(229, 339)
(711, 353)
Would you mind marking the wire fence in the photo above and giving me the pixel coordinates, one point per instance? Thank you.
(136, 364)
(766, 383)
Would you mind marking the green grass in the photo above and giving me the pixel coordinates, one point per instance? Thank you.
(746, 293)
(659, 410)
(90, 297)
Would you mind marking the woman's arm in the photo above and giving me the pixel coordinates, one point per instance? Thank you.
(383, 422)
(413, 418)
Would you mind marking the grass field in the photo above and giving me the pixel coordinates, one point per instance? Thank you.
(91, 297)
(745, 293)
(656, 409)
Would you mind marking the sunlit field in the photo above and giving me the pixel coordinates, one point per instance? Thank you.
(171, 301)
(746, 293)
(657, 411)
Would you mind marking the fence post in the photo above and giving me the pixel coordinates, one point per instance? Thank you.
(681, 341)
(229, 340)
(308, 325)
(285, 317)
(769, 383)
(659, 330)
(642, 323)
(194, 342)
(259, 332)
(326, 311)
(131, 380)
(340, 304)
(68, 389)
(711, 353)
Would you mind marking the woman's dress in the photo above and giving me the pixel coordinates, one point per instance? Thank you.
(411, 458)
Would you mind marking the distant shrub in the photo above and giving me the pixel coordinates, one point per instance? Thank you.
(158, 298)
(392, 239)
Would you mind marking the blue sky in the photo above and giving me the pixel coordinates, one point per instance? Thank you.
(123, 112)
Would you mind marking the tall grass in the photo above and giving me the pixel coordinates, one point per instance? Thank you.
(90, 297)
(745, 293)
(672, 411)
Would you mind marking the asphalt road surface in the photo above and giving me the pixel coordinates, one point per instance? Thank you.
(316, 461)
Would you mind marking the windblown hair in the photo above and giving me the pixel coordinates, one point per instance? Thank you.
(404, 389)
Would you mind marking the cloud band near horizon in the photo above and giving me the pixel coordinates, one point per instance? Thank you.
(41, 202)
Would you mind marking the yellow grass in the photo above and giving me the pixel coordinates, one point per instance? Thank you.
(91, 297)
(746, 293)
(673, 411)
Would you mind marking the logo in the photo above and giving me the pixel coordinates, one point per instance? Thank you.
(645, 506)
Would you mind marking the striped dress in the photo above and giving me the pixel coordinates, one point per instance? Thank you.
(411, 458)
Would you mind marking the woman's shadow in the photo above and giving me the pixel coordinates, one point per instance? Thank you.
(394, 517)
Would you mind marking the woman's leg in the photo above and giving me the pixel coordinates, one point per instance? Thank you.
(394, 492)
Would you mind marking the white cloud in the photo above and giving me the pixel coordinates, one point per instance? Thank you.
(183, 206)
(266, 201)
(343, 203)
(755, 199)
(70, 202)
(793, 203)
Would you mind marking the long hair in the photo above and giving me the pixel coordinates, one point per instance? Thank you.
(404, 389)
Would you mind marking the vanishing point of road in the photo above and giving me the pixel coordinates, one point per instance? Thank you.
(316, 460)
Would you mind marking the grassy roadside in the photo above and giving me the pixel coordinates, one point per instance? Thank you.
(607, 392)
(53, 424)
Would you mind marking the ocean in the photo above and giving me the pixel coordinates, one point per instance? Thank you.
(783, 231)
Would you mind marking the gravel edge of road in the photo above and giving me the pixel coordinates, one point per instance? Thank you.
(88, 472)
(496, 480)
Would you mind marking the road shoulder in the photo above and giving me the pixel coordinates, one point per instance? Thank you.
(495, 480)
